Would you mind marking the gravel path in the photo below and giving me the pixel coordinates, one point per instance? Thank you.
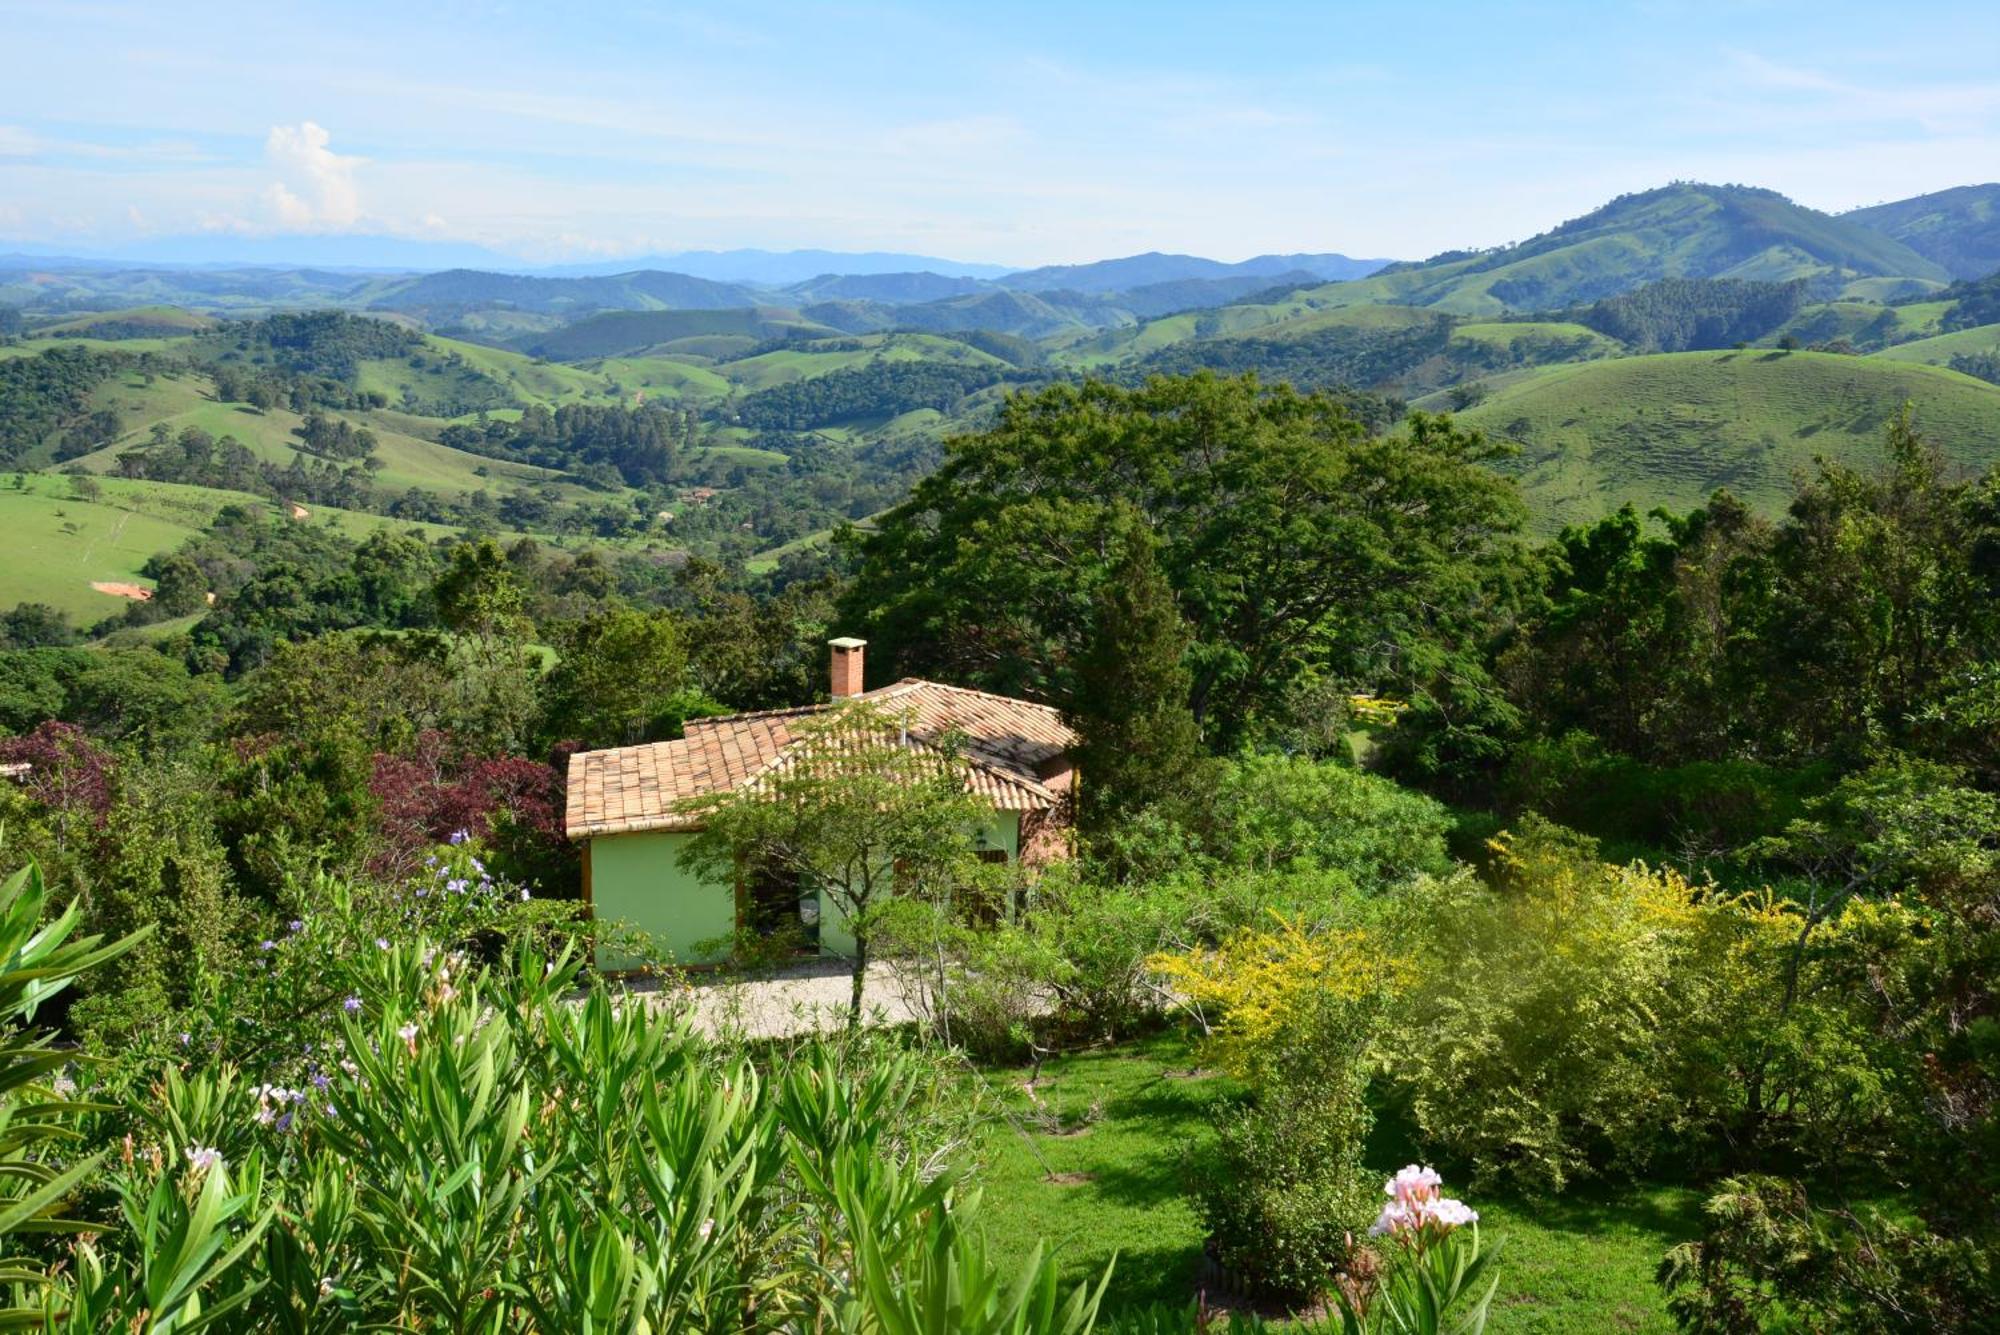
(805, 998)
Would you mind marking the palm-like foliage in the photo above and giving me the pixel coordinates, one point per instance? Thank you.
(37, 1129)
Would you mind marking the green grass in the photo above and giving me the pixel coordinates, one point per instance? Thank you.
(183, 401)
(168, 320)
(35, 347)
(662, 377)
(786, 365)
(1939, 349)
(550, 383)
(1671, 428)
(1583, 1261)
(57, 546)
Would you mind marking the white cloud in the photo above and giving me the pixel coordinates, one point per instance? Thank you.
(316, 192)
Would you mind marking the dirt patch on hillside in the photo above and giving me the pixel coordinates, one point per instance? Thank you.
(300, 512)
(120, 590)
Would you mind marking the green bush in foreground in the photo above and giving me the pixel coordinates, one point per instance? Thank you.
(475, 1148)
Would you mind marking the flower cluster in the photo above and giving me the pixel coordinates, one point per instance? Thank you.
(1415, 1204)
(277, 1106)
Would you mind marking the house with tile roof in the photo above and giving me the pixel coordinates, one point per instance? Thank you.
(632, 806)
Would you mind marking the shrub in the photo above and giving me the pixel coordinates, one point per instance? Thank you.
(1541, 1039)
(1285, 812)
(1283, 1191)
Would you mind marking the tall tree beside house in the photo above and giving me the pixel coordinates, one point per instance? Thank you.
(858, 810)
(1295, 542)
(1140, 749)
(621, 676)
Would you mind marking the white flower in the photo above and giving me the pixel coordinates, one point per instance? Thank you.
(326, 1286)
(201, 1158)
(1413, 1183)
(1394, 1218)
(707, 1227)
(1452, 1214)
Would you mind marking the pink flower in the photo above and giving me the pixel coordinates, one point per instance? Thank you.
(1414, 1205)
(1413, 1185)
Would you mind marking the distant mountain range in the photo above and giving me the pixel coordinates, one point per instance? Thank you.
(1683, 230)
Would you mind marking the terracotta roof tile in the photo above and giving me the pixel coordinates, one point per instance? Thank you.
(1012, 745)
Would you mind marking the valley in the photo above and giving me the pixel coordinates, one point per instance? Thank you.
(1669, 344)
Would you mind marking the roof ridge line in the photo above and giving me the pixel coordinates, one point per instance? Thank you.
(974, 690)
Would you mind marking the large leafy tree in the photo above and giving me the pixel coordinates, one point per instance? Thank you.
(1292, 539)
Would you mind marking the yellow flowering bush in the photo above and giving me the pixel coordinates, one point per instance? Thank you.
(1264, 989)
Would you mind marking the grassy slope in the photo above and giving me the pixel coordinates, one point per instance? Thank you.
(1275, 320)
(550, 383)
(791, 364)
(185, 401)
(1582, 1262)
(1941, 348)
(35, 347)
(662, 377)
(113, 536)
(57, 545)
(169, 320)
(1669, 429)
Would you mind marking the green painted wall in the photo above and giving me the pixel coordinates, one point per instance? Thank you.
(638, 880)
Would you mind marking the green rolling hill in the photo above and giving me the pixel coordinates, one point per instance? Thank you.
(1670, 428)
(1677, 231)
(1957, 229)
(1939, 349)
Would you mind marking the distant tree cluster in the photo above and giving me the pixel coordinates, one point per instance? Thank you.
(1974, 302)
(1984, 365)
(1694, 314)
(880, 389)
(195, 458)
(41, 396)
(334, 437)
(641, 446)
(1339, 357)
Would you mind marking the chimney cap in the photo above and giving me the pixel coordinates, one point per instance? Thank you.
(848, 642)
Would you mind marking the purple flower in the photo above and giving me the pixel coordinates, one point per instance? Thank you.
(267, 944)
(381, 943)
(459, 837)
(296, 925)
(352, 1005)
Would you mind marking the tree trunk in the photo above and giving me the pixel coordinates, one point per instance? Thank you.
(860, 980)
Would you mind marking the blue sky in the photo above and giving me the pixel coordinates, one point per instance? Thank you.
(1021, 133)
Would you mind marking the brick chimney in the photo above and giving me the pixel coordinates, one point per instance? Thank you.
(847, 654)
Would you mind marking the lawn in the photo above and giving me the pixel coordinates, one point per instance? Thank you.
(1583, 1261)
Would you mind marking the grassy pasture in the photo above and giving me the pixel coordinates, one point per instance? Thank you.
(1669, 429)
(1939, 349)
(183, 401)
(58, 546)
